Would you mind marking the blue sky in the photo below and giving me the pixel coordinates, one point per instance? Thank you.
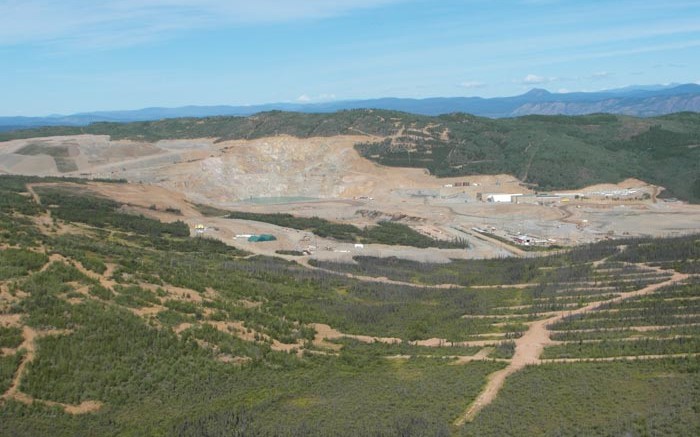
(66, 56)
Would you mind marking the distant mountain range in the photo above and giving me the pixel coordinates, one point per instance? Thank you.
(640, 101)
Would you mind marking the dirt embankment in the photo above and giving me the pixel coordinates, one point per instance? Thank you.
(326, 177)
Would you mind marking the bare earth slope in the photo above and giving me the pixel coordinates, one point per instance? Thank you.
(327, 177)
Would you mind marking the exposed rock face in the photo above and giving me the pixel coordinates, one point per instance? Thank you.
(637, 107)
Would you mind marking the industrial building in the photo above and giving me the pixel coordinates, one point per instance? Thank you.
(502, 198)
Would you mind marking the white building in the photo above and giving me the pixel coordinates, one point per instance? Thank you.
(501, 198)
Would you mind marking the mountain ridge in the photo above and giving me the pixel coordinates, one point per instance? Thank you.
(640, 101)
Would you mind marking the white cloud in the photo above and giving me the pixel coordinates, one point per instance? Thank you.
(600, 75)
(472, 84)
(669, 65)
(129, 22)
(305, 98)
(533, 79)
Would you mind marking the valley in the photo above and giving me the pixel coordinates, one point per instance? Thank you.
(130, 282)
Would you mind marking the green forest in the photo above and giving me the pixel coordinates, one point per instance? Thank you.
(153, 332)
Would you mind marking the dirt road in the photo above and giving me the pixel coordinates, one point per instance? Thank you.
(530, 346)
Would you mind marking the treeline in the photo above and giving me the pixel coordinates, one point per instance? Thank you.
(14, 196)
(317, 225)
(568, 267)
(225, 128)
(83, 207)
(16, 206)
(555, 152)
(679, 253)
(384, 232)
(548, 271)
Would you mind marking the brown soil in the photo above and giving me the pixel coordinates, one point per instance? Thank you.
(175, 293)
(239, 330)
(176, 173)
(82, 408)
(8, 320)
(325, 332)
(182, 327)
(147, 311)
(482, 355)
(234, 360)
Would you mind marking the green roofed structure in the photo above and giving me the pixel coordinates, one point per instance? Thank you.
(261, 237)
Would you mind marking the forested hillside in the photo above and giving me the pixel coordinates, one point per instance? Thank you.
(117, 324)
(550, 152)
